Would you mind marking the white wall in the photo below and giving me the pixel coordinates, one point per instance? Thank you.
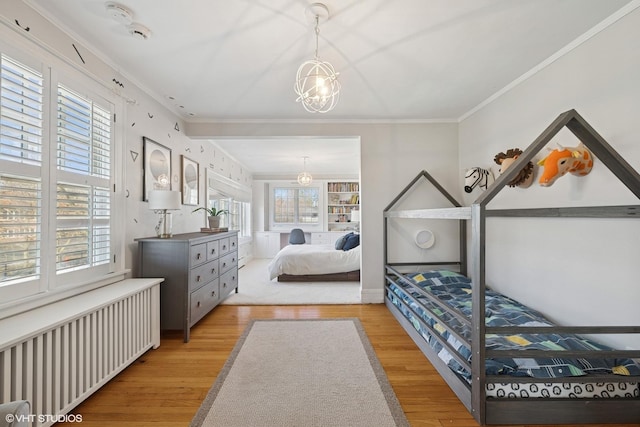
(148, 118)
(576, 271)
(391, 156)
(143, 116)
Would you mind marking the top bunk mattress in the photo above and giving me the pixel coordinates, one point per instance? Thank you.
(455, 291)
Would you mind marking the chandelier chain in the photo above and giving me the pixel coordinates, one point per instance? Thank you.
(317, 33)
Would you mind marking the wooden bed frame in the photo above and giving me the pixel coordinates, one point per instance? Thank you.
(533, 410)
(350, 276)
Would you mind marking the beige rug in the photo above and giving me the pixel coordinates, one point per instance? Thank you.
(303, 373)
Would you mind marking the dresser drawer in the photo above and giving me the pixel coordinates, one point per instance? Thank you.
(228, 261)
(213, 250)
(197, 254)
(228, 282)
(225, 246)
(202, 274)
(203, 300)
(233, 243)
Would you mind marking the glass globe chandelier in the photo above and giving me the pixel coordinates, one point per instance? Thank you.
(304, 178)
(317, 84)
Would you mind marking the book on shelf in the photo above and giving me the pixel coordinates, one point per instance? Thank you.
(213, 230)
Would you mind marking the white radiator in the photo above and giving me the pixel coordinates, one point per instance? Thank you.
(56, 356)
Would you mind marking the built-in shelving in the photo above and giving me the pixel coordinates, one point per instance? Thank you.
(343, 197)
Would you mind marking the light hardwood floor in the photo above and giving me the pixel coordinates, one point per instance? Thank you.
(166, 386)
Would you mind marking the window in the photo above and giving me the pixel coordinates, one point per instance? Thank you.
(296, 206)
(56, 181)
(83, 197)
(21, 130)
(238, 216)
(225, 194)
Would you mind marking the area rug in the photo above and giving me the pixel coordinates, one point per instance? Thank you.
(302, 373)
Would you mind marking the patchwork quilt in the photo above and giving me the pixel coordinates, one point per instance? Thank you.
(454, 290)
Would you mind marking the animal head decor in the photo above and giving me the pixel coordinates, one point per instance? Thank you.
(524, 177)
(577, 161)
(477, 177)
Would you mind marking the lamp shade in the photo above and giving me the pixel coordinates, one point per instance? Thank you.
(164, 199)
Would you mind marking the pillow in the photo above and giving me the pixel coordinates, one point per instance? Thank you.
(341, 240)
(352, 241)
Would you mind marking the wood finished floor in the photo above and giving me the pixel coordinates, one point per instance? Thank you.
(165, 386)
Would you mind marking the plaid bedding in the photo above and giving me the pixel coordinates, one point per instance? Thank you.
(455, 290)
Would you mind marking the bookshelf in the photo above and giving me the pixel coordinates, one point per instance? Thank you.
(342, 198)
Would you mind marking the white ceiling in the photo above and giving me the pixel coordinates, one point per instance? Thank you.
(212, 60)
(276, 158)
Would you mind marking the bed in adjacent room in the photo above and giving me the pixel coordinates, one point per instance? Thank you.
(317, 263)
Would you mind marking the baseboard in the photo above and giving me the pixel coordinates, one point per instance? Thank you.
(372, 296)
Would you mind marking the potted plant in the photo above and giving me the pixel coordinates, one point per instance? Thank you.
(214, 216)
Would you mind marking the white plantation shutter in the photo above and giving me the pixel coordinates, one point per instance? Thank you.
(21, 130)
(21, 97)
(57, 183)
(83, 207)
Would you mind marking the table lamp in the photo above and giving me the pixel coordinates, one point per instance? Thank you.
(355, 219)
(161, 201)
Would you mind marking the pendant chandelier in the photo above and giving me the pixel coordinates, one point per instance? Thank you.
(317, 84)
(304, 178)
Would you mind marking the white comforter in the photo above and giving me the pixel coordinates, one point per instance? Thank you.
(313, 259)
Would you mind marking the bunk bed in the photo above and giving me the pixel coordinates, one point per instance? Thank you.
(462, 327)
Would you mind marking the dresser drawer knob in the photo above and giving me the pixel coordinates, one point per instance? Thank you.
(213, 293)
(197, 278)
(198, 304)
(213, 270)
(224, 285)
(224, 246)
(198, 255)
(224, 264)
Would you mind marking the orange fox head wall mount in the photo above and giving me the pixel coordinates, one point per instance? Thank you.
(577, 161)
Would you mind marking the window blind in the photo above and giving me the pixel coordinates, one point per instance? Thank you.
(82, 211)
(21, 98)
(84, 135)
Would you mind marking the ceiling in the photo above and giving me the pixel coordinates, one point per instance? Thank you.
(423, 60)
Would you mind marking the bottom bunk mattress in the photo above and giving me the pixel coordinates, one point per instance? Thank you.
(454, 290)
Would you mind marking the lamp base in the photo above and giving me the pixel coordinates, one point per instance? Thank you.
(163, 228)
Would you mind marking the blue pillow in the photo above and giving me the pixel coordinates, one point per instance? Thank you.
(351, 242)
(341, 240)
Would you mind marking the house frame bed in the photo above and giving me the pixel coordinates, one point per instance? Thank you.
(517, 410)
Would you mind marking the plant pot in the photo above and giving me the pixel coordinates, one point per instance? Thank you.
(214, 221)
